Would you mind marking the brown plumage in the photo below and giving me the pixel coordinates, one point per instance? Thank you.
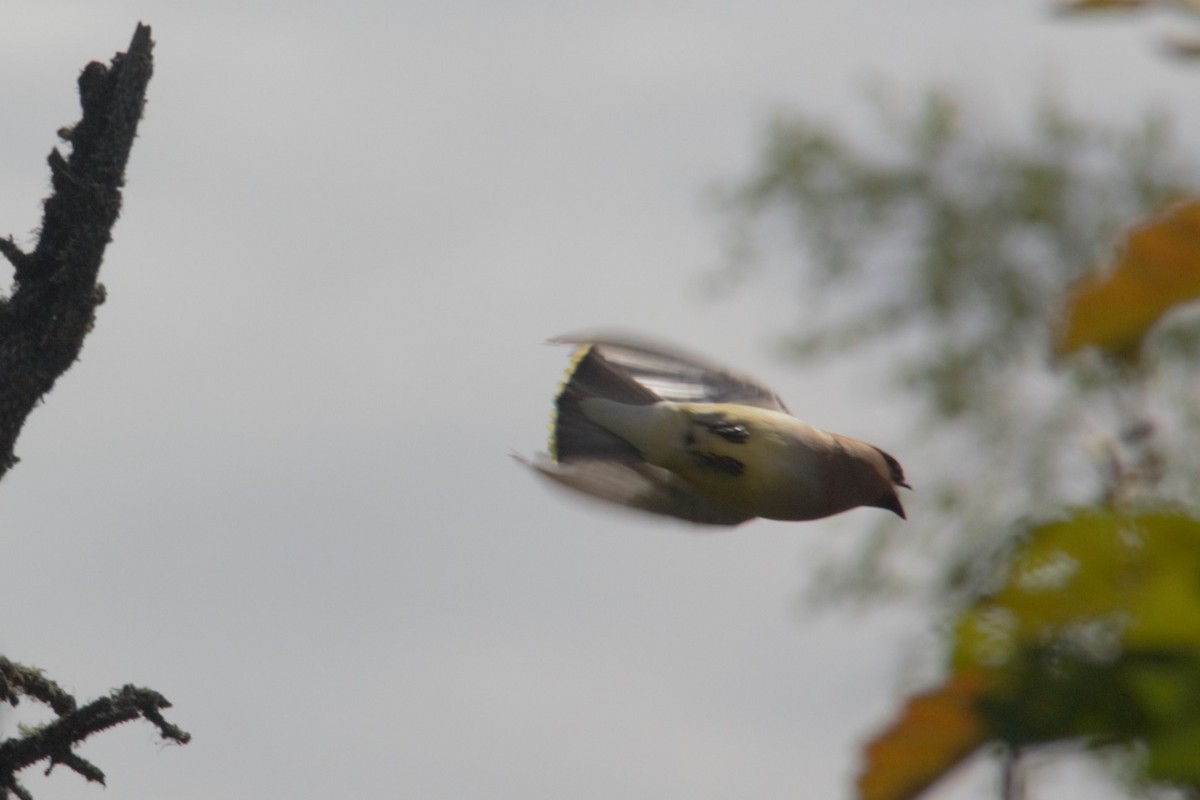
(651, 428)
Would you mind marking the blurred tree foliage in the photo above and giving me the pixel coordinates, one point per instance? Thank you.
(1036, 298)
(1091, 639)
(945, 251)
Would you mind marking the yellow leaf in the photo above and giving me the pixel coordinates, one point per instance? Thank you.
(1133, 577)
(1157, 269)
(936, 731)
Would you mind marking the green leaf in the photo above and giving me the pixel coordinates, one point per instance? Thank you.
(1095, 634)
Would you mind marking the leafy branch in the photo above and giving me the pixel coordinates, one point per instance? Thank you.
(1011, 294)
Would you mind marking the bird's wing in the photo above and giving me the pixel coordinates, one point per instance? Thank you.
(637, 485)
(675, 375)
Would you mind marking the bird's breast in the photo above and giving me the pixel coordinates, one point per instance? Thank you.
(760, 461)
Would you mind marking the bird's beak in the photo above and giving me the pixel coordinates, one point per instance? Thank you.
(891, 503)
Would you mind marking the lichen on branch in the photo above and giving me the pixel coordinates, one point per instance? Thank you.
(43, 323)
(53, 303)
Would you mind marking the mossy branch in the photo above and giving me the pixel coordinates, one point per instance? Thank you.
(42, 327)
(53, 303)
(55, 741)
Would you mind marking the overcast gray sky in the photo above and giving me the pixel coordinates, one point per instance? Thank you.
(276, 488)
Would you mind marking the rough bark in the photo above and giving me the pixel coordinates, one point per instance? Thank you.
(42, 327)
(53, 303)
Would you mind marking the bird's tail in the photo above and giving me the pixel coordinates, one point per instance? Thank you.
(574, 437)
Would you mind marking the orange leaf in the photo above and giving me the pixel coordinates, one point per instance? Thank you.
(1158, 268)
(1070, 6)
(937, 730)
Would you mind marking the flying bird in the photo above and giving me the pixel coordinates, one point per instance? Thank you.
(652, 428)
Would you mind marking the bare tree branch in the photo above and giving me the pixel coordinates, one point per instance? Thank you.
(52, 307)
(55, 741)
(42, 327)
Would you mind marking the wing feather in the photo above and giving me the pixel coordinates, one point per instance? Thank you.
(675, 375)
(637, 485)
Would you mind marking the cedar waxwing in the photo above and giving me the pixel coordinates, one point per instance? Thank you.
(651, 428)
